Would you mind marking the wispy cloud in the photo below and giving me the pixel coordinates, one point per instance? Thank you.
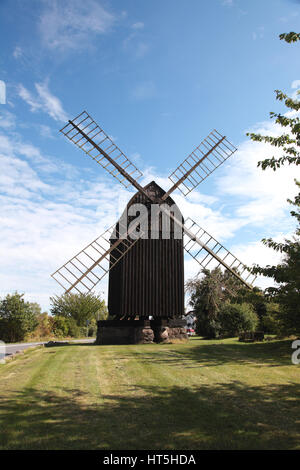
(144, 90)
(17, 53)
(44, 100)
(227, 3)
(30, 100)
(71, 24)
(135, 43)
(7, 120)
(138, 25)
(259, 33)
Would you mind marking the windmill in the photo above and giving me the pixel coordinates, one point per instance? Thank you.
(146, 278)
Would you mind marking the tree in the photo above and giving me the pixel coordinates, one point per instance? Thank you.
(79, 307)
(35, 308)
(214, 291)
(16, 318)
(255, 297)
(235, 318)
(44, 327)
(287, 273)
(287, 276)
(207, 295)
(60, 326)
(271, 322)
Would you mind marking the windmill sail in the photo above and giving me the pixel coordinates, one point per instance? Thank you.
(84, 132)
(214, 150)
(83, 272)
(210, 253)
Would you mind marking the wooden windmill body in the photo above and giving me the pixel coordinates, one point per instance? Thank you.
(146, 268)
(149, 280)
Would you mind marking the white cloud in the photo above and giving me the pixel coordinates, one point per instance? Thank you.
(295, 86)
(52, 103)
(7, 120)
(258, 253)
(30, 100)
(45, 223)
(46, 218)
(261, 195)
(134, 43)
(71, 24)
(44, 101)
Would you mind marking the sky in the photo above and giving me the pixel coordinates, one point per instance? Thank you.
(157, 77)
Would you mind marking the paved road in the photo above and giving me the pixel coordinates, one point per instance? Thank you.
(12, 348)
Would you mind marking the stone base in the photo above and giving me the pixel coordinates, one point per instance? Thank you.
(167, 330)
(165, 334)
(139, 331)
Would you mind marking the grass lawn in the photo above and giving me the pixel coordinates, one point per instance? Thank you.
(198, 395)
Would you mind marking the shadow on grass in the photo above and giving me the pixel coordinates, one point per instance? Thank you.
(202, 353)
(226, 416)
(214, 353)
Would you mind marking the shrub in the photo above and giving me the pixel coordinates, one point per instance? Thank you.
(206, 326)
(60, 326)
(79, 307)
(43, 329)
(73, 328)
(235, 318)
(271, 322)
(17, 319)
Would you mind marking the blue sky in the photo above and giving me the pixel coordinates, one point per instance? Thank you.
(158, 77)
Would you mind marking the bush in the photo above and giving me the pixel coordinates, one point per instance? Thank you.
(79, 307)
(60, 326)
(271, 322)
(43, 329)
(235, 318)
(17, 319)
(73, 328)
(206, 326)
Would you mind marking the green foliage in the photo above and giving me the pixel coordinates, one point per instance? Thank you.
(290, 37)
(35, 308)
(207, 295)
(255, 297)
(287, 277)
(287, 273)
(60, 326)
(17, 318)
(214, 291)
(235, 318)
(210, 292)
(79, 307)
(73, 328)
(288, 142)
(43, 329)
(271, 322)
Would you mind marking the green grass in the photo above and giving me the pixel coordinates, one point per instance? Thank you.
(198, 395)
